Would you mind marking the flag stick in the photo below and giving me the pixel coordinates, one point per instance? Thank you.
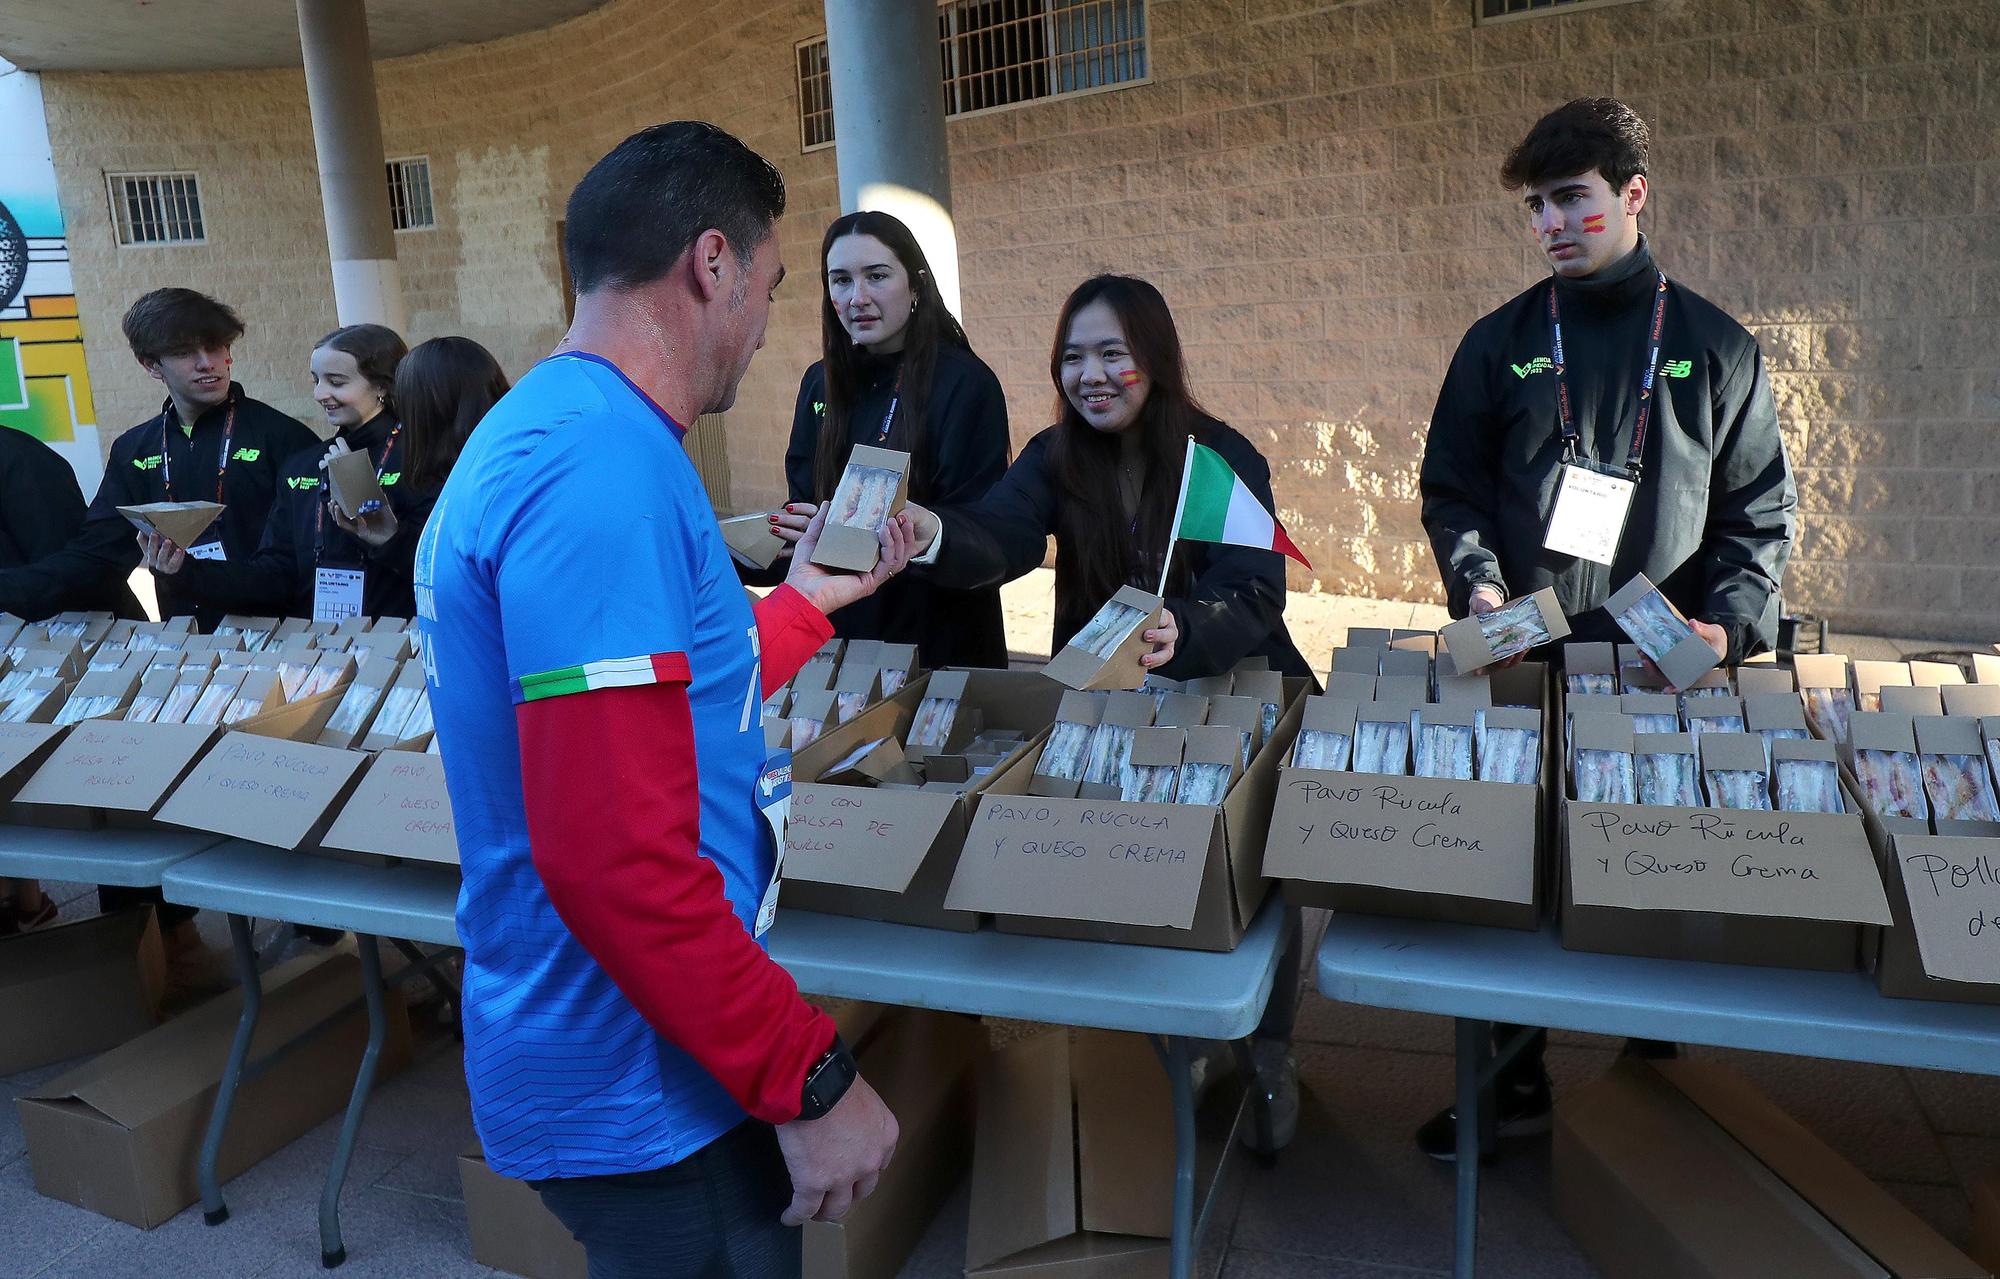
(1180, 509)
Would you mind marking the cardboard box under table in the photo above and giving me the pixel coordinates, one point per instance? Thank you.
(119, 1135)
(1183, 875)
(1681, 1170)
(1779, 889)
(78, 987)
(889, 854)
(1420, 847)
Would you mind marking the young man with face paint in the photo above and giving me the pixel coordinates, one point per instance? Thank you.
(1610, 382)
(209, 442)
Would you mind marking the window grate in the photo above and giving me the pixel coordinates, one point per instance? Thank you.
(410, 206)
(156, 208)
(1000, 53)
(1485, 11)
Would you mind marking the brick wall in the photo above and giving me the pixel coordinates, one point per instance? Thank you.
(1312, 186)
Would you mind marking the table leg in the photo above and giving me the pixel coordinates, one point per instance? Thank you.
(1474, 1043)
(213, 1210)
(331, 1250)
(1177, 1060)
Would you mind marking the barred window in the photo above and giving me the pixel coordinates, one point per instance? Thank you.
(1000, 53)
(156, 208)
(410, 207)
(1500, 10)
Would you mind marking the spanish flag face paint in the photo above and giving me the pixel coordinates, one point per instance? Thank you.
(1594, 224)
(1130, 377)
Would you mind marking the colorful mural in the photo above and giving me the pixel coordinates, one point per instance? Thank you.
(44, 383)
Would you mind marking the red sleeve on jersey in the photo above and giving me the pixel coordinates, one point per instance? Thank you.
(789, 630)
(614, 824)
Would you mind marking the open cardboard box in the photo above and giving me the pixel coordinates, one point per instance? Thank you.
(1470, 648)
(889, 854)
(1944, 900)
(751, 541)
(1419, 847)
(1188, 876)
(78, 987)
(851, 547)
(1681, 1170)
(106, 766)
(1778, 889)
(181, 523)
(1689, 659)
(119, 1134)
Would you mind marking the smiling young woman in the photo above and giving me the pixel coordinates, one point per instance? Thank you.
(897, 372)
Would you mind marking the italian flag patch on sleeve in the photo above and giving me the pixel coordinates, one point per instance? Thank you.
(614, 672)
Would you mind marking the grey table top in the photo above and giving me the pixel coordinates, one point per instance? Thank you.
(1499, 974)
(128, 858)
(413, 901)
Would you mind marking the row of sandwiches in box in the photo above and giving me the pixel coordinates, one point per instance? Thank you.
(1164, 743)
(946, 746)
(1484, 728)
(176, 677)
(837, 683)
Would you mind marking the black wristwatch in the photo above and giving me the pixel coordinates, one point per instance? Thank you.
(827, 1082)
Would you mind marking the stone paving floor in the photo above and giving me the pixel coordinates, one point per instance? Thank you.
(1351, 1198)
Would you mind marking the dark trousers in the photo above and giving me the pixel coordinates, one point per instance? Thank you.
(714, 1213)
(1281, 1011)
(111, 897)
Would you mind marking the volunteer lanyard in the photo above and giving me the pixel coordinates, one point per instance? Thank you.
(221, 461)
(889, 418)
(1572, 438)
(319, 508)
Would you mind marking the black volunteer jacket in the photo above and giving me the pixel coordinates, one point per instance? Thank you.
(1712, 521)
(278, 578)
(41, 508)
(965, 454)
(1235, 605)
(137, 472)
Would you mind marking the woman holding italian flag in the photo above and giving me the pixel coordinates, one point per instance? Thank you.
(1131, 468)
(1131, 465)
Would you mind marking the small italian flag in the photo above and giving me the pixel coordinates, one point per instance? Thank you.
(1216, 506)
(616, 672)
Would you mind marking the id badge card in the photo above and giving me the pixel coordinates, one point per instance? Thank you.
(209, 550)
(774, 800)
(1590, 511)
(336, 594)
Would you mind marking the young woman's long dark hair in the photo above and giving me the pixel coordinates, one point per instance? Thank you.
(1097, 550)
(443, 388)
(377, 350)
(931, 324)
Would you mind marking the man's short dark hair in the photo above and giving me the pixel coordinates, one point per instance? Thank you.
(175, 321)
(643, 205)
(1589, 133)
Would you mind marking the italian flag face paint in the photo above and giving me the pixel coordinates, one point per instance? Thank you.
(615, 672)
(1216, 506)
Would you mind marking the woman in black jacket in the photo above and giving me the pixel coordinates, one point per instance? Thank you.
(898, 373)
(1103, 482)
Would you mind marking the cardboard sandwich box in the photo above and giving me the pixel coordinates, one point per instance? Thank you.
(751, 541)
(181, 523)
(921, 1063)
(1871, 677)
(107, 766)
(1754, 681)
(1188, 876)
(1681, 1170)
(1106, 652)
(120, 1134)
(1911, 699)
(1419, 847)
(352, 483)
(889, 853)
(78, 987)
(872, 488)
(1073, 1160)
(1689, 657)
(267, 780)
(1778, 889)
(399, 808)
(1976, 700)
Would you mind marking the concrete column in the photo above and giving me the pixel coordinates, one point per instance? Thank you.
(888, 122)
(353, 184)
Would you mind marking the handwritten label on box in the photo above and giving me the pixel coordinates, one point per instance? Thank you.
(262, 789)
(1102, 861)
(860, 837)
(1417, 834)
(1953, 885)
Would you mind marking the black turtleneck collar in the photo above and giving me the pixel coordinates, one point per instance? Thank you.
(370, 434)
(1628, 280)
(172, 415)
(875, 368)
